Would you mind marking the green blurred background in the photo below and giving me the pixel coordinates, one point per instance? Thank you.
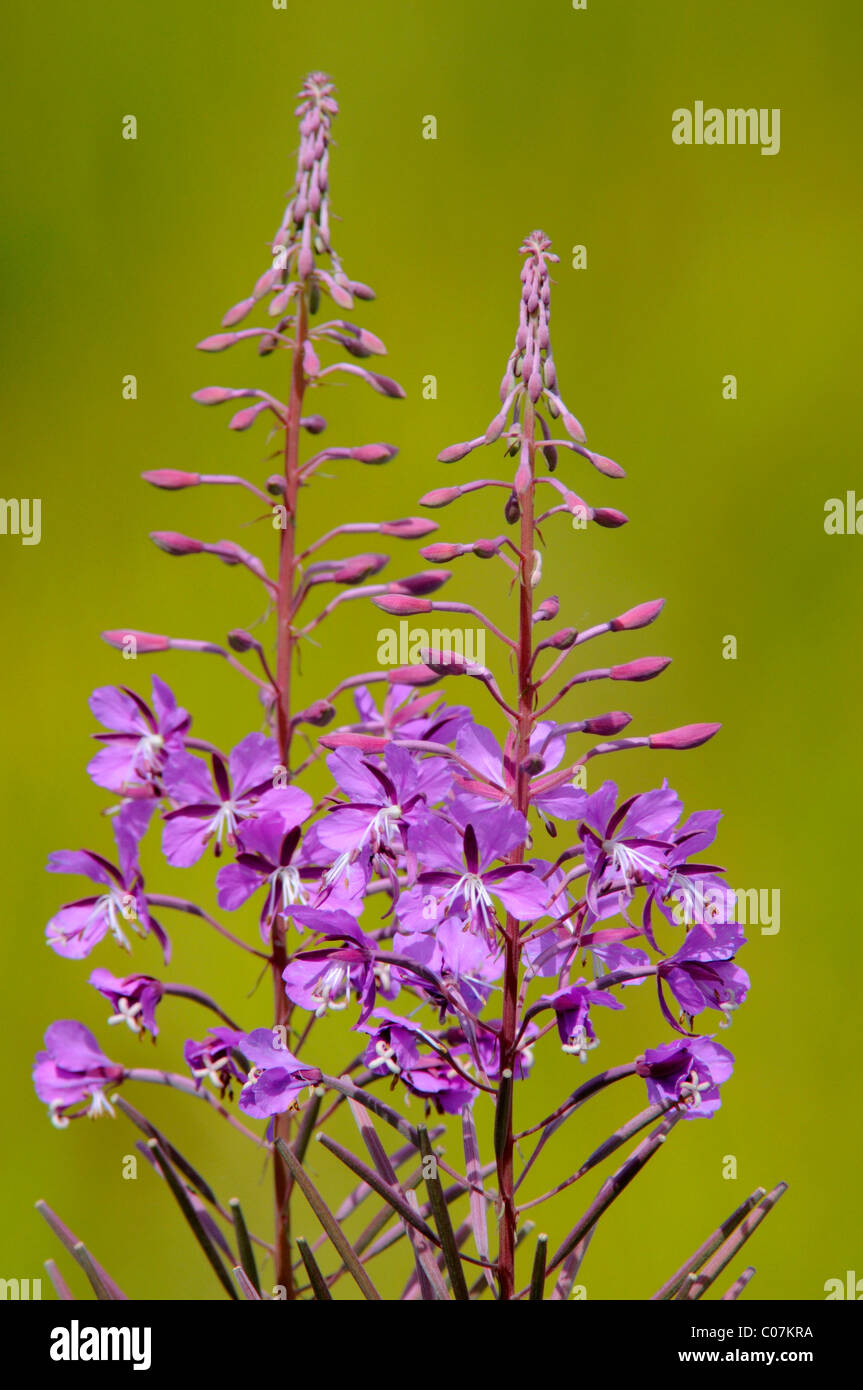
(120, 255)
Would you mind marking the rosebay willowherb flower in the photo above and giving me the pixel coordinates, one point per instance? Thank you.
(461, 896)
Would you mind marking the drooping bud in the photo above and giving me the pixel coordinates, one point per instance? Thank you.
(644, 669)
(143, 641)
(409, 528)
(319, 714)
(426, 582)
(609, 516)
(605, 724)
(548, 610)
(688, 736)
(174, 544)
(640, 616)
(402, 605)
(171, 479)
(442, 552)
(440, 497)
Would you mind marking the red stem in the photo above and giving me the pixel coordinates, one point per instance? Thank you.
(285, 647)
(521, 800)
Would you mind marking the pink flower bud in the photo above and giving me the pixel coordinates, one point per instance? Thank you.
(572, 426)
(175, 544)
(413, 675)
(247, 416)
(485, 550)
(449, 664)
(403, 605)
(409, 528)
(367, 743)
(237, 312)
(373, 453)
(213, 395)
(548, 610)
(457, 451)
(609, 516)
(688, 736)
(605, 724)
(644, 669)
(171, 478)
(319, 714)
(144, 641)
(640, 616)
(241, 641)
(440, 497)
(426, 582)
(217, 342)
(562, 640)
(442, 552)
(315, 424)
(359, 567)
(604, 465)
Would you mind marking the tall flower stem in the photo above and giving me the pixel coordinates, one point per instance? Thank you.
(524, 729)
(285, 655)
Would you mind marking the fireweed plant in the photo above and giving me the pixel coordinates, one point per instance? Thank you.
(413, 896)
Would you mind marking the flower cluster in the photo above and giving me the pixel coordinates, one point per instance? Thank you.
(459, 894)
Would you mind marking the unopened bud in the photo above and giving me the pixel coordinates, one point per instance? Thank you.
(688, 736)
(640, 616)
(171, 478)
(609, 516)
(402, 605)
(144, 641)
(440, 497)
(605, 724)
(644, 669)
(174, 544)
(409, 528)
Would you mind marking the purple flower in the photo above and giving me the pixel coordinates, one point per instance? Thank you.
(405, 714)
(480, 748)
(270, 856)
(276, 1077)
(459, 878)
(325, 978)
(688, 1071)
(73, 1070)
(79, 926)
(133, 999)
(572, 1006)
(384, 801)
(213, 808)
(213, 1059)
(462, 959)
(141, 738)
(630, 846)
(394, 1048)
(702, 974)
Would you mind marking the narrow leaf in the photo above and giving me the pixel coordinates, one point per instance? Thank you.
(328, 1221)
(726, 1252)
(440, 1212)
(201, 1235)
(320, 1287)
(61, 1288)
(244, 1245)
(537, 1278)
(247, 1288)
(71, 1242)
(711, 1244)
